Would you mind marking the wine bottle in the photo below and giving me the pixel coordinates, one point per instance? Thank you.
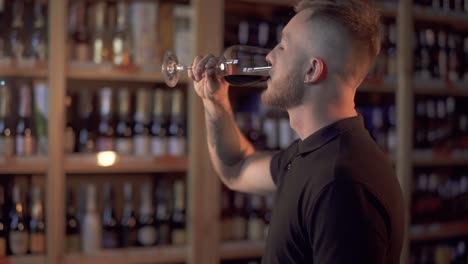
(39, 34)
(37, 223)
(85, 127)
(239, 217)
(177, 130)
(81, 38)
(25, 134)
(226, 216)
(90, 227)
(109, 220)
(72, 241)
(105, 135)
(121, 41)
(256, 224)
(124, 142)
(70, 137)
(18, 239)
(41, 113)
(163, 212)
(147, 235)
(17, 33)
(141, 136)
(128, 229)
(3, 224)
(158, 125)
(178, 224)
(100, 50)
(6, 131)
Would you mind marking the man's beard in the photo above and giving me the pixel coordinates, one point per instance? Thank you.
(285, 95)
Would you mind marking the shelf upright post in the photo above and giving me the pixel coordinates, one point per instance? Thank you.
(404, 108)
(55, 179)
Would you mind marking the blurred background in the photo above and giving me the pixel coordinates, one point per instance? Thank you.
(102, 162)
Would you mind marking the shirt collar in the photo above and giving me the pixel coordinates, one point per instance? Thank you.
(327, 133)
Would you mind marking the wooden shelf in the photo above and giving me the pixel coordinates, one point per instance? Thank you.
(88, 163)
(439, 231)
(120, 75)
(456, 19)
(440, 161)
(241, 249)
(27, 259)
(162, 254)
(23, 165)
(33, 72)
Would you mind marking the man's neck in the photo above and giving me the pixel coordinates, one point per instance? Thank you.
(305, 120)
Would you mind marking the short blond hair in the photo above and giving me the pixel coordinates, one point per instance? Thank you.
(358, 17)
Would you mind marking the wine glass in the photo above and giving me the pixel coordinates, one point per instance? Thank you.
(240, 66)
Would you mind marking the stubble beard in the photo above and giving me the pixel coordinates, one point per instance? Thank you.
(284, 95)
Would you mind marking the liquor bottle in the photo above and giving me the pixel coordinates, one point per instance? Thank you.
(128, 228)
(18, 239)
(431, 132)
(270, 129)
(41, 113)
(163, 212)
(391, 131)
(90, 226)
(378, 130)
(391, 51)
(17, 34)
(121, 41)
(239, 217)
(4, 53)
(25, 134)
(158, 125)
(285, 131)
(72, 241)
(267, 216)
(105, 136)
(39, 35)
(420, 127)
(85, 129)
(124, 141)
(146, 235)
(3, 222)
(81, 38)
(37, 223)
(443, 55)
(69, 129)
(141, 136)
(256, 224)
(6, 131)
(177, 130)
(100, 50)
(110, 227)
(453, 58)
(425, 54)
(178, 224)
(144, 19)
(226, 216)
(254, 132)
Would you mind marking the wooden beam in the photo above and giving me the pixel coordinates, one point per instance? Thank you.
(404, 106)
(55, 181)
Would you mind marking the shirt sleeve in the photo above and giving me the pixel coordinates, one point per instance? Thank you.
(347, 226)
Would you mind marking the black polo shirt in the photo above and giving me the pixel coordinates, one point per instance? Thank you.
(338, 200)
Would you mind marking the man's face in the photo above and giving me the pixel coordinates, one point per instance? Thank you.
(288, 58)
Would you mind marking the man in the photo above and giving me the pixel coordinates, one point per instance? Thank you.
(338, 200)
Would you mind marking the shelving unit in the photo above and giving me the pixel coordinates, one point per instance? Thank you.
(23, 260)
(241, 249)
(33, 72)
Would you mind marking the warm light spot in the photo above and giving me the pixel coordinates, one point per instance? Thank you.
(106, 158)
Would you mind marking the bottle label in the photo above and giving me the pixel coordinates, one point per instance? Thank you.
(2, 247)
(256, 229)
(159, 146)
(37, 243)
(124, 146)
(142, 145)
(105, 144)
(72, 243)
(239, 228)
(147, 235)
(6, 146)
(176, 146)
(19, 241)
(109, 239)
(178, 236)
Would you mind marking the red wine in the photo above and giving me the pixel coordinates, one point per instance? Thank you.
(241, 80)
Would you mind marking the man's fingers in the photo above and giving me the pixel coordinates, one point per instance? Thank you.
(191, 72)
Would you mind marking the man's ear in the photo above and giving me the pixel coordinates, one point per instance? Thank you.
(317, 71)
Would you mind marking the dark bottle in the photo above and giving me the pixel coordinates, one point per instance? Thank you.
(124, 142)
(81, 39)
(85, 127)
(128, 223)
(37, 223)
(425, 54)
(256, 224)
(159, 125)
(72, 241)
(454, 69)
(254, 132)
(25, 134)
(70, 137)
(392, 51)
(109, 221)
(6, 131)
(18, 238)
(146, 235)
(141, 136)
(442, 55)
(178, 224)
(226, 215)
(17, 32)
(163, 212)
(3, 224)
(106, 133)
(378, 130)
(177, 129)
(39, 34)
(239, 217)
(121, 40)
(420, 125)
